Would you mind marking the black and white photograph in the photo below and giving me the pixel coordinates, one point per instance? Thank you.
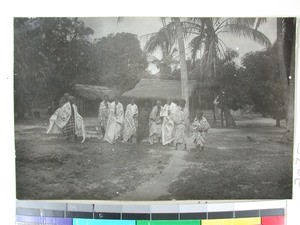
(154, 108)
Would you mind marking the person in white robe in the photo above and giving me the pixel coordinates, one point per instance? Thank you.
(67, 121)
(130, 122)
(155, 124)
(200, 128)
(168, 125)
(181, 119)
(114, 122)
(103, 114)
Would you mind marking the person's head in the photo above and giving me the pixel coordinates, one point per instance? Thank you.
(105, 97)
(199, 114)
(66, 95)
(169, 101)
(72, 99)
(182, 103)
(158, 103)
(116, 99)
(147, 105)
(132, 101)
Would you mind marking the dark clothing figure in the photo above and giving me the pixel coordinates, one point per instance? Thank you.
(143, 128)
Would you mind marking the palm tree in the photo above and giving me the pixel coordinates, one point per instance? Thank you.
(171, 32)
(206, 40)
(285, 44)
(174, 29)
(164, 42)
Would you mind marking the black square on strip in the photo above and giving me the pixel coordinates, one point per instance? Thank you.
(220, 215)
(107, 215)
(71, 214)
(135, 216)
(246, 213)
(193, 216)
(164, 216)
(28, 212)
(272, 212)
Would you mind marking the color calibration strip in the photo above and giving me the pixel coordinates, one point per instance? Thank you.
(243, 213)
(268, 220)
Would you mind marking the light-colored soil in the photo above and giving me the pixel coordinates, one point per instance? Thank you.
(243, 163)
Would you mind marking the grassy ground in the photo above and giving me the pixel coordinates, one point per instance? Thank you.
(243, 163)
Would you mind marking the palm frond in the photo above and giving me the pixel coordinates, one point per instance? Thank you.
(196, 44)
(166, 35)
(259, 22)
(244, 31)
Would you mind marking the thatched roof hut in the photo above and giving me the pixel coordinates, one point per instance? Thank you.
(158, 89)
(91, 92)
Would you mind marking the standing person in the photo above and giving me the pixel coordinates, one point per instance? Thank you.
(103, 114)
(143, 119)
(64, 99)
(168, 125)
(181, 119)
(66, 120)
(155, 124)
(130, 121)
(200, 127)
(115, 121)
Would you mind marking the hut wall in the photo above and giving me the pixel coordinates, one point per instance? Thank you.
(88, 108)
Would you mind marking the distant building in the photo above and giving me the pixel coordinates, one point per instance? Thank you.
(88, 98)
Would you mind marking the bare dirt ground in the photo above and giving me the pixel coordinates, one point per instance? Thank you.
(232, 166)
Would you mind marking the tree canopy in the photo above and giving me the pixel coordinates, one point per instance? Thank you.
(53, 54)
(120, 61)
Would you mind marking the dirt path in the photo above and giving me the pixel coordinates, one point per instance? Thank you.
(158, 185)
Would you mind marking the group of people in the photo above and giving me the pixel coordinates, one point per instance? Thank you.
(114, 123)
(168, 124)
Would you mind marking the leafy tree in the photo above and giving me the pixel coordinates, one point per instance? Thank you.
(120, 61)
(230, 86)
(51, 55)
(263, 80)
(206, 40)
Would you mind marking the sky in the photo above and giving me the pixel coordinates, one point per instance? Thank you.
(140, 26)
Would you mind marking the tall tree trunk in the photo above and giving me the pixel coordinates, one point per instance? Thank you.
(291, 94)
(281, 62)
(183, 67)
(287, 82)
(214, 77)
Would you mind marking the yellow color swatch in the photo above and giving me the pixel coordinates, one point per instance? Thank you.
(237, 221)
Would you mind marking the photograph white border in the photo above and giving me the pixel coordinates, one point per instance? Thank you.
(10, 9)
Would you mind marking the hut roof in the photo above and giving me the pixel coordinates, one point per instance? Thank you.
(92, 92)
(158, 89)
